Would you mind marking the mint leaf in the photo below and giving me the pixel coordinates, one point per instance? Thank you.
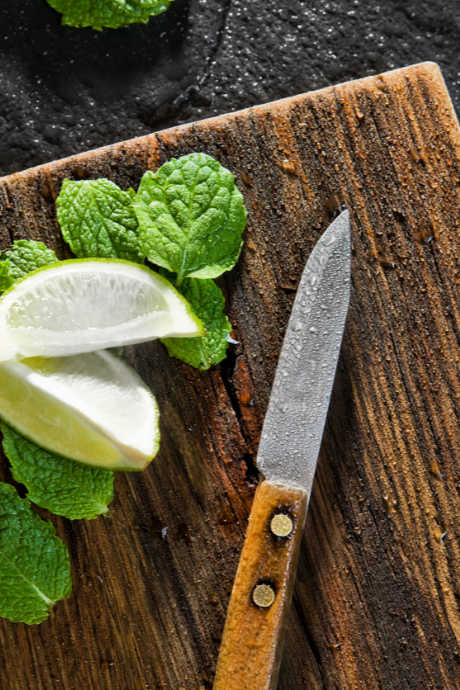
(34, 562)
(97, 219)
(191, 217)
(23, 257)
(62, 486)
(207, 302)
(111, 14)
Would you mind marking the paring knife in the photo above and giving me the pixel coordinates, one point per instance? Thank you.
(288, 452)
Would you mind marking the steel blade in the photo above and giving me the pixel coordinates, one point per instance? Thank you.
(297, 410)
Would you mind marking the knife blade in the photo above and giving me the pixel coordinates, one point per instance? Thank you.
(251, 645)
(297, 410)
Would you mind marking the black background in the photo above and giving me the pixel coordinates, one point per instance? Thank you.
(65, 90)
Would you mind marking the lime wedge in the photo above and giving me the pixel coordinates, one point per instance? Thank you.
(93, 408)
(85, 305)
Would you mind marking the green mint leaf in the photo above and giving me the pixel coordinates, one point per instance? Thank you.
(191, 217)
(207, 302)
(110, 14)
(34, 562)
(97, 219)
(64, 487)
(23, 257)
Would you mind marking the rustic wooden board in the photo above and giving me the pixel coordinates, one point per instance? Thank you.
(376, 600)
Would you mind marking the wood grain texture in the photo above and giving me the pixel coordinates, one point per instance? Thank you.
(376, 599)
(251, 646)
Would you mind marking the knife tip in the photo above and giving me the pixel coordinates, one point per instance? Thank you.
(339, 231)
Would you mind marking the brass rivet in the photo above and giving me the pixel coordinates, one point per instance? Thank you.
(281, 525)
(263, 596)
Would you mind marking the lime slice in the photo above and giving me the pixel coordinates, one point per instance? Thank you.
(86, 305)
(93, 408)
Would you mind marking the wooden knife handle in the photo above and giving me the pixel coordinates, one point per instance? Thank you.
(250, 651)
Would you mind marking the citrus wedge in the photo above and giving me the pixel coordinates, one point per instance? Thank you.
(93, 408)
(85, 305)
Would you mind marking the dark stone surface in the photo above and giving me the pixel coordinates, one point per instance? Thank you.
(65, 90)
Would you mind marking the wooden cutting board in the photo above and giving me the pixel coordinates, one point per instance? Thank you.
(376, 601)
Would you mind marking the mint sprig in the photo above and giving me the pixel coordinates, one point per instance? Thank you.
(208, 303)
(188, 218)
(191, 217)
(97, 219)
(60, 485)
(23, 257)
(34, 562)
(110, 14)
